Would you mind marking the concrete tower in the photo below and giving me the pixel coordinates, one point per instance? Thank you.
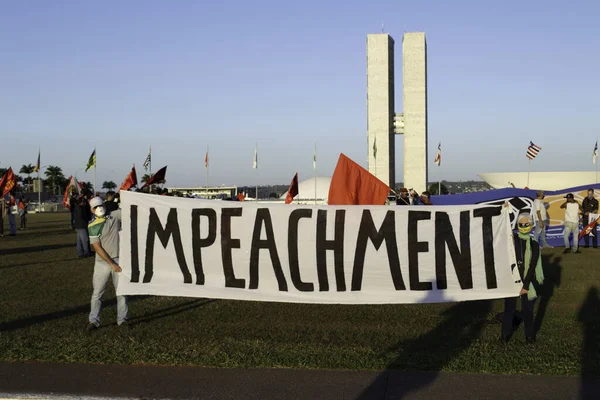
(414, 98)
(380, 107)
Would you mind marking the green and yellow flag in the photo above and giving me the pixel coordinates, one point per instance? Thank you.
(92, 161)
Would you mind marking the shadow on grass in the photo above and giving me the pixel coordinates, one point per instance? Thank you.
(38, 264)
(589, 316)
(85, 308)
(433, 350)
(552, 274)
(39, 319)
(32, 249)
(173, 310)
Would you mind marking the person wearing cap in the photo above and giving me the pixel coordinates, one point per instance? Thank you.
(572, 210)
(589, 206)
(529, 263)
(104, 238)
(540, 217)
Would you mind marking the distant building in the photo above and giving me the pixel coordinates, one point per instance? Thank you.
(382, 120)
(208, 192)
(380, 107)
(539, 180)
(311, 191)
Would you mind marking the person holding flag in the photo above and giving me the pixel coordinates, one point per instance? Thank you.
(589, 206)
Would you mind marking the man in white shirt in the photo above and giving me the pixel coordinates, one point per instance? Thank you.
(572, 210)
(541, 219)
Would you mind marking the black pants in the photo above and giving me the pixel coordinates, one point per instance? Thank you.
(24, 220)
(510, 306)
(586, 238)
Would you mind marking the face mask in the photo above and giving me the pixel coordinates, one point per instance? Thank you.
(100, 211)
(590, 196)
(525, 228)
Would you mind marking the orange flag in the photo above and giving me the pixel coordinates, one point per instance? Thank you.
(351, 184)
(130, 180)
(588, 229)
(293, 190)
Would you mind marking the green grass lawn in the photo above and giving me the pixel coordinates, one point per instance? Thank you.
(45, 291)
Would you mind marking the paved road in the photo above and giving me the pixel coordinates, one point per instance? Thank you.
(39, 380)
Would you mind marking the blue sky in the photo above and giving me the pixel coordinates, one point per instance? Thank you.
(184, 75)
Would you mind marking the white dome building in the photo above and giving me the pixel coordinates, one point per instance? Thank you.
(539, 180)
(311, 189)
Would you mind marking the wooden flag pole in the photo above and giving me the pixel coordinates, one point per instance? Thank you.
(528, 171)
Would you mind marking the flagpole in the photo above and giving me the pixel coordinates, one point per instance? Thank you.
(528, 171)
(207, 166)
(150, 163)
(95, 167)
(314, 172)
(375, 154)
(256, 161)
(596, 161)
(39, 167)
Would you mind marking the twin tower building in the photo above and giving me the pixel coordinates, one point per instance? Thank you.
(383, 123)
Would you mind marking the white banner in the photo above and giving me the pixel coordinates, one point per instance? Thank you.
(315, 254)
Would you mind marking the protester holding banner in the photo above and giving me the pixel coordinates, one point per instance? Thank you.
(572, 210)
(529, 263)
(590, 206)
(104, 238)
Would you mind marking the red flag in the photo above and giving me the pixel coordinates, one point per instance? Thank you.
(206, 160)
(158, 177)
(3, 180)
(130, 180)
(293, 190)
(588, 229)
(352, 184)
(72, 184)
(8, 182)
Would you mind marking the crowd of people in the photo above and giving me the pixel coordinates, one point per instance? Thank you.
(575, 213)
(11, 207)
(412, 198)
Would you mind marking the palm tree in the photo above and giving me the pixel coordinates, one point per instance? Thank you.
(110, 185)
(27, 170)
(54, 175)
(146, 178)
(87, 187)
